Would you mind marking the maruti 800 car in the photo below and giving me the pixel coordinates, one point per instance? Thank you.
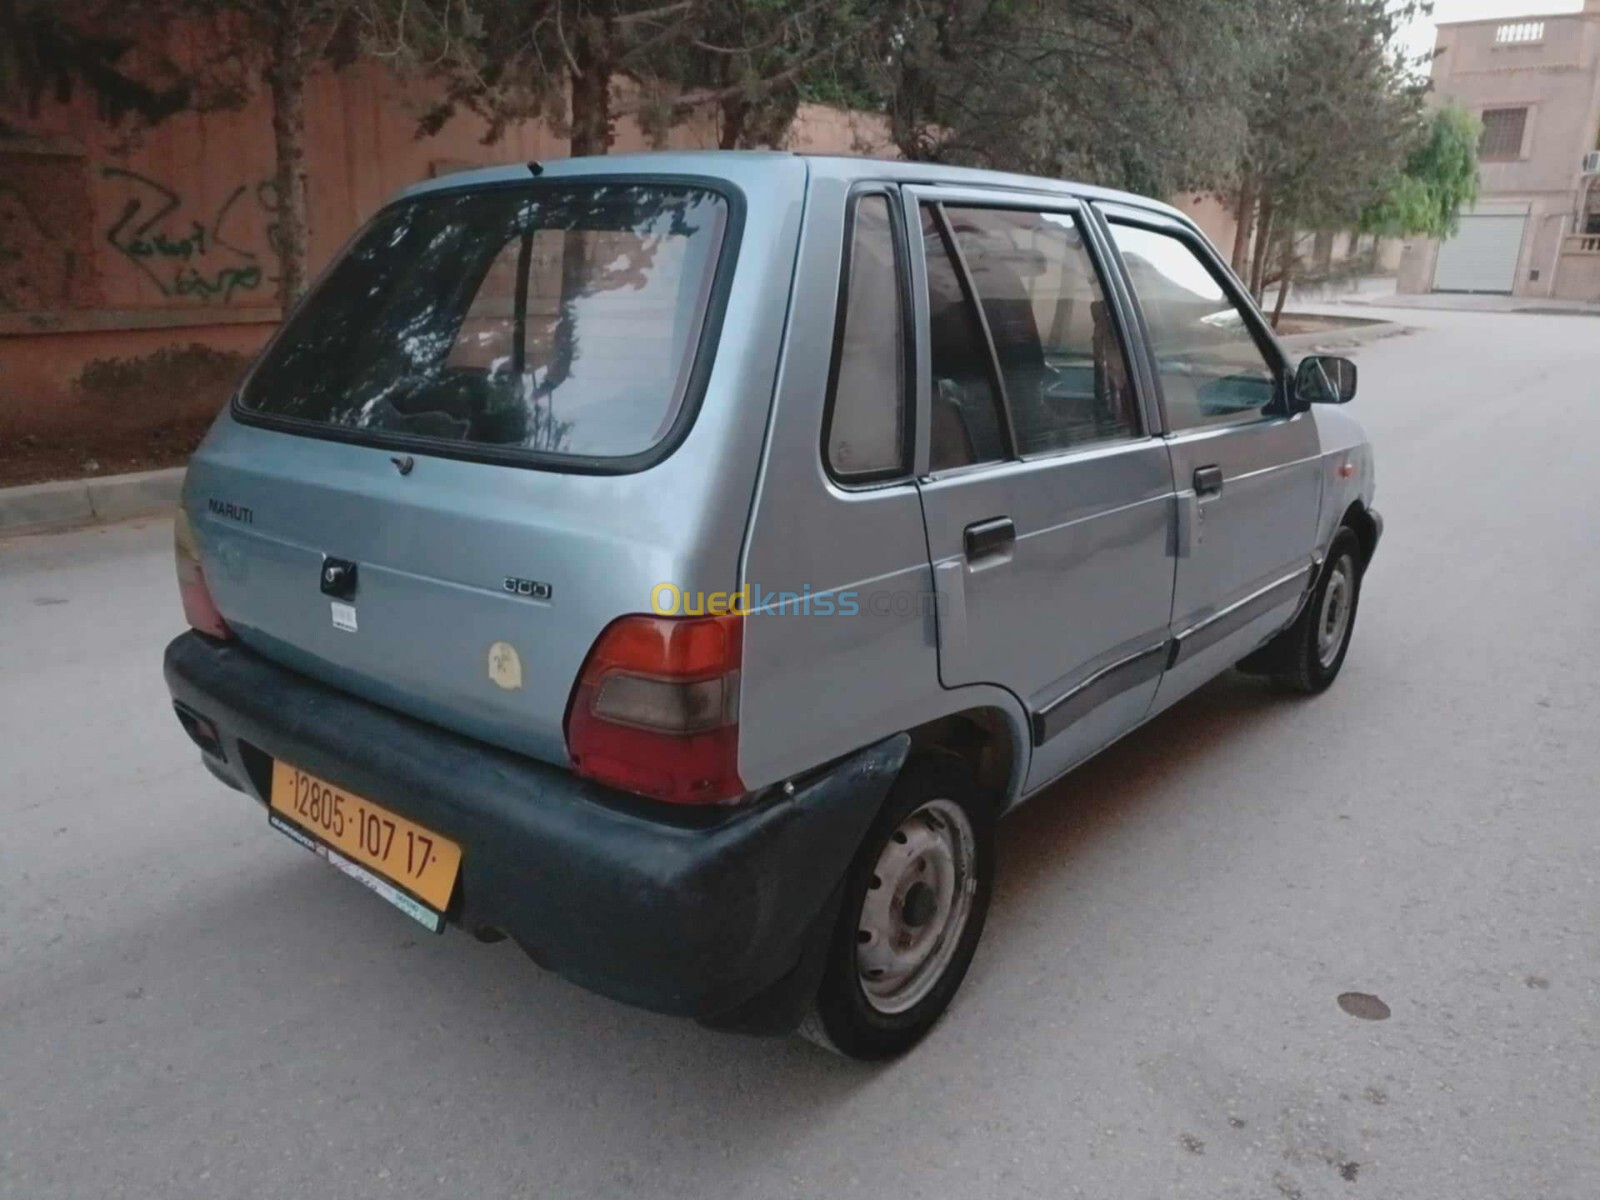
(677, 563)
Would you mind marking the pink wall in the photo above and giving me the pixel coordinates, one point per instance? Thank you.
(113, 246)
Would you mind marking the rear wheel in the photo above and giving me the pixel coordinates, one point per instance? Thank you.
(915, 903)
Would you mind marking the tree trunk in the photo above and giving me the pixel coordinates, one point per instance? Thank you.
(735, 107)
(1244, 215)
(734, 115)
(1322, 249)
(286, 77)
(1285, 274)
(593, 53)
(1258, 267)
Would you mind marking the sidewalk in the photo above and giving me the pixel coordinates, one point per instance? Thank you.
(1378, 292)
(1461, 302)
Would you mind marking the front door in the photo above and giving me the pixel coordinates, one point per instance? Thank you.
(1049, 504)
(1246, 469)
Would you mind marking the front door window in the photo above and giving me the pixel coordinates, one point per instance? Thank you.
(1212, 369)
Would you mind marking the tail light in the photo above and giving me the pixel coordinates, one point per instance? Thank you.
(198, 607)
(656, 708)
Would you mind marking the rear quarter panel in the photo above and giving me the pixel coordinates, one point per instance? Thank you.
(818, 685)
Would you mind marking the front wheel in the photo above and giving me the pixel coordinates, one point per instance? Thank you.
(915, 902)
(1315, 645)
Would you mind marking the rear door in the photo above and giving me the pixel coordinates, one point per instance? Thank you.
(1247, 471)
(1048, 502)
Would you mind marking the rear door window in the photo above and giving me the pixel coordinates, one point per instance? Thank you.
(563, 321)
(966, 425)
(1066, 378)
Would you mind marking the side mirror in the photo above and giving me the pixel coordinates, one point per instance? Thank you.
(1325, 379)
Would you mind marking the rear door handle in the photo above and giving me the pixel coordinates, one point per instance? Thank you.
(988, 539)
(1208, 481)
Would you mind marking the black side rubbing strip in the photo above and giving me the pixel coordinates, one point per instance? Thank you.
(1083, 699)
(1239, 614)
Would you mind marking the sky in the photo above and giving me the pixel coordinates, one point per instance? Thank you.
(1419, 36)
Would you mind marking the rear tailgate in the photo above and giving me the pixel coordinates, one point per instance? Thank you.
(437, 634)
(477, 408)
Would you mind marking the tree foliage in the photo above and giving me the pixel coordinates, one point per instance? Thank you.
(1438, 180)
(1333, 111)
(1140, 93)
(559, 61)
(1300, 111)
(48, 53)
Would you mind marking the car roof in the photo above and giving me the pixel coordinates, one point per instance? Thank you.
(845, 168)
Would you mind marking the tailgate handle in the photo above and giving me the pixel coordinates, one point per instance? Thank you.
(987, 539)
(1208, 481)
(339, 578)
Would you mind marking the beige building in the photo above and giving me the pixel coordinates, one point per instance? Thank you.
(1535, 84)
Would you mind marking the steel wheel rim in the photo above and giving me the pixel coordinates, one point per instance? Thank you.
(1333, 622)
(917, 905)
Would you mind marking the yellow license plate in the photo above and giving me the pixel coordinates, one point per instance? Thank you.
(402, 852)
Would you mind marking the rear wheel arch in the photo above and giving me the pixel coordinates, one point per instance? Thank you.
(986, 739)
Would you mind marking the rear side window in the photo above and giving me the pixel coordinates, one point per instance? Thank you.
(563, 320)
(1066, 378)
(866, 435)
(965, 422)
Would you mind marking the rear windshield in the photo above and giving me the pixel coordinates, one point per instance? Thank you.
(554, 319)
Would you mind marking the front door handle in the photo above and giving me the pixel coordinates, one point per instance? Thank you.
(1208, 481)
(989, 539)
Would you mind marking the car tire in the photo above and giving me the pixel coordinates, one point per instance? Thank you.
(916, 897)
(1314, 647)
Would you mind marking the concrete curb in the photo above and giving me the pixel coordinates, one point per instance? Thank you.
(1332, 341)
(40, 507)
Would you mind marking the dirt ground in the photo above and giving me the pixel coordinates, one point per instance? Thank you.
(1293, 323)
(36, 458)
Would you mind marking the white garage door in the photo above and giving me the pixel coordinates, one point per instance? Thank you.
(1482, 257)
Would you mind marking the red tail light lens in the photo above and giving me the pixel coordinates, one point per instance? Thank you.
(656, 709)
(198, 607)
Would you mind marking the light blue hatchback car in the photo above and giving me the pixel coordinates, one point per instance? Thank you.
(676, 563)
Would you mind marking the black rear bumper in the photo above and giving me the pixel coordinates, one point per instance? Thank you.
(695, 912)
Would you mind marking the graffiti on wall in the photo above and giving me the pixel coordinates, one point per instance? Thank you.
(199, 256)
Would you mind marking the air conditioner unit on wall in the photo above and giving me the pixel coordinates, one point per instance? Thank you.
(1591, 163)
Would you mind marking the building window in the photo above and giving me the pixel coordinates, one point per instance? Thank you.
(1519, 33)
(1502, 134)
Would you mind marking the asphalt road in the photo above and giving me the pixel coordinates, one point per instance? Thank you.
(190, 1006)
